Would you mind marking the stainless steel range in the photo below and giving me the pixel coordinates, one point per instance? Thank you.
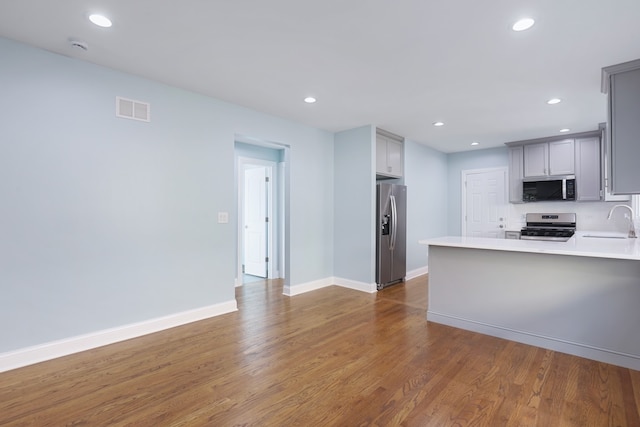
(557, 227)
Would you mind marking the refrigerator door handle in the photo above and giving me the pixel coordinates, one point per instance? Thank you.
(394, 216)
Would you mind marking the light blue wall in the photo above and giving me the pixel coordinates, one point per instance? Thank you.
(107, 221)
(354, 212)
(457, 162)
(425, 173)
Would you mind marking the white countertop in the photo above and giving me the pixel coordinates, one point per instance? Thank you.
(578, 245)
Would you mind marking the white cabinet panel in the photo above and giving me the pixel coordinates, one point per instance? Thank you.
(394, 157)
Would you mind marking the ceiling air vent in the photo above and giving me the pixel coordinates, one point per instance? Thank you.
(131, 109)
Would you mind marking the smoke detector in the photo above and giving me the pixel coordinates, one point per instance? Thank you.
(77, 44)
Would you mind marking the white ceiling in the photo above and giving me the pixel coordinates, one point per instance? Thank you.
(400, 65)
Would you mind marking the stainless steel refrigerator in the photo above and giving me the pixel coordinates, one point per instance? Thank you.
(391, 234)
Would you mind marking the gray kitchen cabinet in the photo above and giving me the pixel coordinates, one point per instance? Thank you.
(515, 174)
(588, 178)
(561, 157)
(549, 158)
(604, 167)
(389, 155)
(576, 154)
(536, 159)
(622, 84)
(512, 234)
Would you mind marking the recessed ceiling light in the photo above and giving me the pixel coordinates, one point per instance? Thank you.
(565, 130)
(554, 101)
(475, 143)
(310, 100)
(438, 123)
(100, 20)
(523, 24)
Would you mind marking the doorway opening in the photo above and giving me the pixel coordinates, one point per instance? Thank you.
(261, 212)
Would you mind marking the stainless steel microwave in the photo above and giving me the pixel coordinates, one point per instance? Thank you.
(549, 188)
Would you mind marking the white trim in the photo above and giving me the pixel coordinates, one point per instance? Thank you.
(307, 287)
(563, 346)
(329, 281)
(417, 272)
(353, 284)
(281, 219)
(370, 288)
(54, 349)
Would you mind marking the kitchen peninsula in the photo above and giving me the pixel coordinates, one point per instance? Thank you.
(580, 297)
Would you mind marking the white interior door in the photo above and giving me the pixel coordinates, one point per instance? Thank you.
(255, 221)
(484, 210)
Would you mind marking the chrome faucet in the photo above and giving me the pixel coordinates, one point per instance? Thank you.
(632, 228)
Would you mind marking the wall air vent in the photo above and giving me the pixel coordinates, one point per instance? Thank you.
(134, 110)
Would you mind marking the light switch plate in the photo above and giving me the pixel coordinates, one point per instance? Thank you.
(223, 217)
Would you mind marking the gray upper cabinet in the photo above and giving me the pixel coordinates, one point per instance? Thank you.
(588, 179)
(622, 84)
(549, 158)
(515, 174)
(605, 164)
(389, 155)
(561, 157)
(536, 159)
(577, 154)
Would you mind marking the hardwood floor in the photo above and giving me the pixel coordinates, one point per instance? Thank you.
(332, 357)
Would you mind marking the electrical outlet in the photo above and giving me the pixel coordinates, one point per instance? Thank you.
(223, 217)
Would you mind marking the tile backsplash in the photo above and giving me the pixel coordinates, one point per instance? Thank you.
(590, 216)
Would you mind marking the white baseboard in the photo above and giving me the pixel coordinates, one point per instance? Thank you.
(563, 346)
(417, 273)
(51, 350)
(307, 287)
(353, 284)
(329, 281)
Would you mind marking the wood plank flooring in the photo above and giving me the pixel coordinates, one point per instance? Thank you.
(332, 357)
